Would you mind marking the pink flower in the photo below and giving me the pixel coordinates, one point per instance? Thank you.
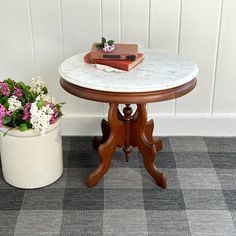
(55, 114)
(108, 48)
(4, 89)
(26, 112)
(17, 92)
(3, 113)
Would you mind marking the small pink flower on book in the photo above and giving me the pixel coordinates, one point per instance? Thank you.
(108, 48)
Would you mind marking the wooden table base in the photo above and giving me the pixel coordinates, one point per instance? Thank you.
(127, 131)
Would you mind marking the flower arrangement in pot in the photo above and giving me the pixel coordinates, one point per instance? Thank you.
(31, 149)
(25, 107)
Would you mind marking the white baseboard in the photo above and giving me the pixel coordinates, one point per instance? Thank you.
(184, 125)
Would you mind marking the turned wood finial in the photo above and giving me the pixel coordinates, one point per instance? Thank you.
(127, 110)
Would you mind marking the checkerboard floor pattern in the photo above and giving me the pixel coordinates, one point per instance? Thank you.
(200, 198)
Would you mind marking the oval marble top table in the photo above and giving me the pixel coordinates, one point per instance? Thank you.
(162, 76)
(159, 70)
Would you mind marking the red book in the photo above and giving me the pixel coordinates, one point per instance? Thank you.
(121, 65)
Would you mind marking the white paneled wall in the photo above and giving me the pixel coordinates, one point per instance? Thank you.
(37, 35)
(81, 26)
(200, 22)
(224, 98)
(164, 34)
(16, 41)
(47, 42)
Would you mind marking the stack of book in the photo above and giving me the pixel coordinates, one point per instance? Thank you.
(124, 57)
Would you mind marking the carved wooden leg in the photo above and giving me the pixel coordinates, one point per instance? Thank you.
(146, 147)
(107, 148)
(127, 119)
(148, 132)
(105, 135)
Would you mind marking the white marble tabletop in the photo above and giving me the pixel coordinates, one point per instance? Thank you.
(160, 70)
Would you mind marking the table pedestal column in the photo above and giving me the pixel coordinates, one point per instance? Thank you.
(127, 131)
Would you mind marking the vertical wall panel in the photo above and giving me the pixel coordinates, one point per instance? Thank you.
(199, 28)
(16, 52)
(81, 24)
(111, 27)
(225, 86)
(111, 19)
(164, 25)
(135, 21)
(47, 38)
(81, 27)
(164, 34)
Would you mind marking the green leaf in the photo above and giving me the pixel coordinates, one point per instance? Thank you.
(23, 101)
(27, 96)
(23, 127)
(14, 116)
(103, 40)
(3, 100)
(41, 103)
(28, 124)
(7, 119)
(45, 90)
(110, 42)
(58, 106)
(21, 85)
(6, 105)
(18, 120)
(27, 87)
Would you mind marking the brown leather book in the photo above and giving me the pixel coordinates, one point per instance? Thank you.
(121, 65)
(122, 51)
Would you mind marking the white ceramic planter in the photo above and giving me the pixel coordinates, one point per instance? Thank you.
(30, 160)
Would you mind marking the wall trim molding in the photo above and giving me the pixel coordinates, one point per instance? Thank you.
(165, 125)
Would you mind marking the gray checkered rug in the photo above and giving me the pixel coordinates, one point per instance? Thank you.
(200, 198)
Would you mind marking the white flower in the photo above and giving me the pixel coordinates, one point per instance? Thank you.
(14, 104)
(40, 117)
(37, 85)
(46, 98)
